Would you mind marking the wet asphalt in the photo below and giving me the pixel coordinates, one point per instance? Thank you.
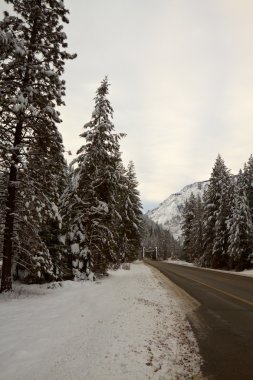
(223, 321)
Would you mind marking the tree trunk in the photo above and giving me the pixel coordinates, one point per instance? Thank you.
(6, 282)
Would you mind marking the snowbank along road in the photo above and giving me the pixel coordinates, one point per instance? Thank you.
(129, 326)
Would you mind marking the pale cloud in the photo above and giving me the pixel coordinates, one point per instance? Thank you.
(182, 84)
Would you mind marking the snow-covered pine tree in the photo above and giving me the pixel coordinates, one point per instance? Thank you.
(241, 228)
(248, 180)
(93, 191)
(47, 167)
(189, 215)
(220, 246)
(217, 209)
(73, 236)
(2, 209)
(129, 208)
(32, 61)
(197, 230)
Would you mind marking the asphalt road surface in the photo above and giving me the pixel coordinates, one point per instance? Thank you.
(223, 321)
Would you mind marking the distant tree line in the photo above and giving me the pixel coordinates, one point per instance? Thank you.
(218, 229)
(154, 235)
(57, 221)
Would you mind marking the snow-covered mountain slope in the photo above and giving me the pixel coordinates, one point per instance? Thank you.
(169, 213)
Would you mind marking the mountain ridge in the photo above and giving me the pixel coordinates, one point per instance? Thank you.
(169, 213)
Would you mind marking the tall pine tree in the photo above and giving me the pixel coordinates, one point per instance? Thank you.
(47, 167)
(217, 211)
(32, 61)
(129, 209)
(92, 196)
(187, 228)
(248, 182)
(241, 228)
(192, 228)
(197, 230)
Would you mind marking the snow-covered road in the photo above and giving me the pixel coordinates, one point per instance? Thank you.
(129, 326)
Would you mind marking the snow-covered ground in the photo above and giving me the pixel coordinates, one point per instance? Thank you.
(246, 272)
(179, 262)
(130, 325)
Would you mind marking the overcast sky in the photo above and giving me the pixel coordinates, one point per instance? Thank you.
(181, 74)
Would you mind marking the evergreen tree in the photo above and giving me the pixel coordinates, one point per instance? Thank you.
(241, 228)
(248, 182)
(32, 61)
(217, 206)
(129, 210)
(192, 228)
(93, 191)
(197, 230)
(47, 167)
(187, 228)
(2, 209)
(73, 236)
